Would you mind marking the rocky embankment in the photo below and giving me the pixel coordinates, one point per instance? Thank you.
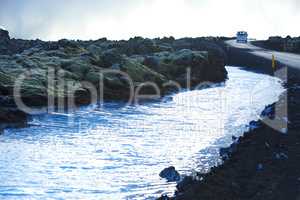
(277, 43)
(264, 163)
(71, 63)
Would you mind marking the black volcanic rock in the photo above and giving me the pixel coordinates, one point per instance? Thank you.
(12, 117)
(10, 46)
(4, 41)
(170, 174)
(4, 35)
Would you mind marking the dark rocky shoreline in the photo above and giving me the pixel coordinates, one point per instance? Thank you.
(264, 163)
(157, 61)
(277, 43)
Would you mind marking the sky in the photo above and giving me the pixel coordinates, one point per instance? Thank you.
(122, 19)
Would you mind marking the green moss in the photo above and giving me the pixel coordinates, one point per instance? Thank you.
(141, 73)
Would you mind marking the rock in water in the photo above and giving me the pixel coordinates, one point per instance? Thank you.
(170, 174)
(12, 118)
(12, 115)
(164, 197)
(259, 167)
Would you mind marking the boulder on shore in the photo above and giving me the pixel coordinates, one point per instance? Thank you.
(170, 174)
(12, 117)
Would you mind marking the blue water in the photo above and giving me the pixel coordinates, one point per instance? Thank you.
(117, 152)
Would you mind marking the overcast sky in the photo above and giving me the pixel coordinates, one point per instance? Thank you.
(122, 19)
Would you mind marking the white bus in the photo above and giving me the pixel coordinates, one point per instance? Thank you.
(242, 37)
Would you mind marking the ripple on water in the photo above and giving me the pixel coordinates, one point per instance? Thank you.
(117, 152)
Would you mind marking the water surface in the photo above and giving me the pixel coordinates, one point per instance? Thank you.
(116, 152)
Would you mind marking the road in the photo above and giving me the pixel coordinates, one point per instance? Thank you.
(290, 59)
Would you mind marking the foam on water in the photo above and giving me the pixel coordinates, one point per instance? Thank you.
(117, 152)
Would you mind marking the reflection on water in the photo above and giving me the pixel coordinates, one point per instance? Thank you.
(117, 152)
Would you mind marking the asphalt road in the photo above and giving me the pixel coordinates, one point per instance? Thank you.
(290, 59)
